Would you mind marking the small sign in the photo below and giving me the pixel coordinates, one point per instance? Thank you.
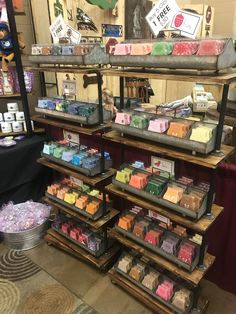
(73, 35)
(110, 30)
(58, 29)
(71, 137)
(187, 23)
(161, 218)
(163, 165)
(77, 182)
(69, 87)
(161, 14)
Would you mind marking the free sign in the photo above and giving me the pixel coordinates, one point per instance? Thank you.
(161, 14)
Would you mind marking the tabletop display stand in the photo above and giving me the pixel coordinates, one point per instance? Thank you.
(109, 215)
(211, 162)
(20, 72)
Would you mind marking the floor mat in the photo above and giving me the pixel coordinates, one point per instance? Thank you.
(25, 289)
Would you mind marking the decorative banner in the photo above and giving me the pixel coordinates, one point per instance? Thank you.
(187, 23)
(161, 14)
(58, 29)
(109, 30)
(103, 4)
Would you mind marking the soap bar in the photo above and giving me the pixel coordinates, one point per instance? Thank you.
(173, 194)
(125, 263)
(211, 47)
(137, 272)
(162, 49)
(202, 134)
(150, 281)
(191, 201)
(153, 237)
(140, 49)
(158, 125)
(170, 244)
(68, 155)
(70, 198)
(182, 299)
(185, 48)
(139, 122)
(187, 253)
(179, 129)
(122, 49)
(58, 152)
(165, 290)
(140, 229)
(123, 176)
(138, 181)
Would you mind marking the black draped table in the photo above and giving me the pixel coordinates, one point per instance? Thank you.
(21, 177)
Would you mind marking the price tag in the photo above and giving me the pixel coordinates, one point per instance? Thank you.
(161, 14)
(186, 22)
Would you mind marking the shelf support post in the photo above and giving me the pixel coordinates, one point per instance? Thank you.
(99, 78)
(122, 97)
(221, 118)
(203, 249)
(19, 66)
(211, 193)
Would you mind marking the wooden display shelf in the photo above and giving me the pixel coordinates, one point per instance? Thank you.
(94, 181)
(64, 69)
(36, 130)
(103, 262)
(71, 126)
(201, 226)
(164, 75)
(209, 161)
(96, 225)
(146, 298)
(192, 278)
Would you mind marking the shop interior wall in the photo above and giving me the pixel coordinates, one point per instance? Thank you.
(164, 90)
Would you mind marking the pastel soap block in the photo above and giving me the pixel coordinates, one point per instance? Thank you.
(58, 152)
(61, 194)
(68, 155)
(178, 129)
(165, 290)
(150, 281)
(211, 47)
(122, 49)
(92, 208)
(158, 125)
(182, 299)
(70, 198)
(170, 244)
(173, 194)
(137, 272)
(185, 48)
(138, 182)
(161, 49)
(201, 134)
(123, 118)
(125, 263)
(47, 149)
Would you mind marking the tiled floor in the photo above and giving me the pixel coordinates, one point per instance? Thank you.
(97, 291)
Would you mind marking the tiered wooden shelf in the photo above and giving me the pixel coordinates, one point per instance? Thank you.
(36, 131)
(148, 300)
(211, 161)
(72, 126)
(201, 226)
(103, 262)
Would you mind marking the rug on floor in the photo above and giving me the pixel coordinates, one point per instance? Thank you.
(25, 289)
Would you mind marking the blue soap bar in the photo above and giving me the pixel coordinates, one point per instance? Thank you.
(47, 149)
(43, 103)
(68, 155)
(67, 50)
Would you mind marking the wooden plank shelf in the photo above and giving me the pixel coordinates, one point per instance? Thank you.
(36, 131)
(209, 161)
(171, 76)
(192, 278)
(63, 69)
(94, 181)
(147, 299)
(201, 226)
(71, 126)
(96, 225)
(103, 262)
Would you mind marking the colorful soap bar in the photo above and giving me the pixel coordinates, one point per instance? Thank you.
(141, 49)
(182, 299)
(138, 181)
(162, 49)
(125, 263)
(211, 47)
(179, 129)
(68, 155)
(185, 48)
(170, 244)
(58, 152)
(165, 290)
(70, 198)
(187, 252)
(137, 272)
(123, 176)
(202, 134)
(140, 229)
(192, 201)
(173, 194)
(122, 49)
(92, 208)
(150, 281)
(139, 122)
(123, 118)
(158, 125)
(153, 237)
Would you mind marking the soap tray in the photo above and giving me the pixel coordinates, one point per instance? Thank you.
(95, 217)
(89, 172)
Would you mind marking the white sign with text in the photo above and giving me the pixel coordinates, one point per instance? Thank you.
(58, 29)
(161, 14)
(187, 23)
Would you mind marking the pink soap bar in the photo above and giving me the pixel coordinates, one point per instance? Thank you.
(65, 228)
(185, 48)
(158, 125)
(211, 47)
(165, 290)
(74, 234)
(122, 49)
(123, 118)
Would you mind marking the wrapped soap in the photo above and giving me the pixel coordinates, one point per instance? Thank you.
(173, 194)
(185, 48)
(165, 290)
(162, 49)
(211, 47)
(137, 272)
(182, 299)
(150, 281)
(125, 263)
(170, 244)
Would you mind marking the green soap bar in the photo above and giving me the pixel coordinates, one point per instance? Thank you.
(139, 122)
(58, 152)
(162, 49)
(85, 188)
(153, 188)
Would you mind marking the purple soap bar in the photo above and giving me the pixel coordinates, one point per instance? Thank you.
(169, 245)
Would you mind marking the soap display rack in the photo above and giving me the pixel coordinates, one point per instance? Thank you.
(97, 180)
(210, 162)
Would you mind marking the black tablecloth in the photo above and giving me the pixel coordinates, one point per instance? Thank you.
(21, 177)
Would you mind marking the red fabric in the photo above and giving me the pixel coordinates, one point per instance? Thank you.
(222, 235)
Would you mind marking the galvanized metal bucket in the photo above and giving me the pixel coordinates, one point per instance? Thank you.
(25, 240)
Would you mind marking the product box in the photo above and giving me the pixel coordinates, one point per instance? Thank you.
(206, 30)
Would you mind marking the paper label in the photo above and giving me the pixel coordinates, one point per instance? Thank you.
(161, 14)
(73, 35)
(71, 137)
(187, 23)
(77, 181)
(163, 164)
(159, 217)
(58, 29)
